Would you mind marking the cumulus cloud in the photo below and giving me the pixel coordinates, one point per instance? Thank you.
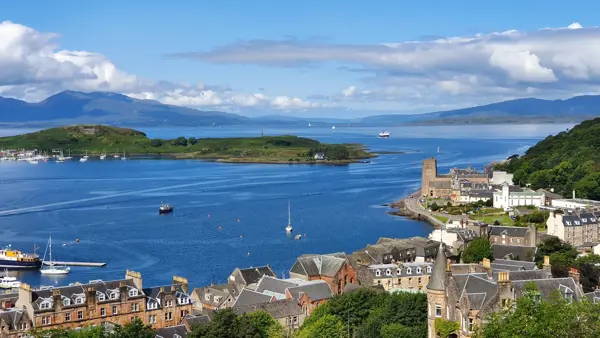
(549, 62)
(32, 67)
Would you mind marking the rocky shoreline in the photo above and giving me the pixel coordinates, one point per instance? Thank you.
(401, 210)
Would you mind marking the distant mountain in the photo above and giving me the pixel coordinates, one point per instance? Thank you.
(529, 110)
(70, 107)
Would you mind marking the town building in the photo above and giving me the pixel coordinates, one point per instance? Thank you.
(575, 228)
(286, 311)
(513, 252)
(455, 238)
(575, 203)
(550, 196)
(505, 199)
(501, 177)
(442, 186)
(335, 269)
(397, 250)
(410, 277)
(96, 303)
(511, 235)
(248, 277)
(468, 296)
(310, 295)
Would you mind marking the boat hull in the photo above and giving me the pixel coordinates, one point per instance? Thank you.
(15, 265)
(166, 211)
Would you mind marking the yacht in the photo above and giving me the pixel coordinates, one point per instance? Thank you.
(289, 228)
(116, 154)
(333, 128)
(9, 282)
(165, 208)
(49, 268)
(103, 156)
(124, 157)
(84, 158)
(384, 134)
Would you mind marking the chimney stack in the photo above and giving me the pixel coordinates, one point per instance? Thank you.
(183, 281)
(486, 263)
(56, 300)
(91, 297)
(547, 266)
(503, 277)
(574, 272)
(136, 277)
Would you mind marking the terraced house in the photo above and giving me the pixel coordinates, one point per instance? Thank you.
(97, 302)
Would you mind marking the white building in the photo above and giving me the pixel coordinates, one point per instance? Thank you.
(505, 199)
(575, 203)
(500, 177)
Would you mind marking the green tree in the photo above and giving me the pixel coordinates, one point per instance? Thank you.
(329, 326)
(554, 245)
(444, 328)
(396, 330)
(135, 329)
(477, 250)
(262, 321)
(156, 143)
(180, 141)
(192, 140)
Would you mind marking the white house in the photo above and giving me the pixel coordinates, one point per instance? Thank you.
(506, 199)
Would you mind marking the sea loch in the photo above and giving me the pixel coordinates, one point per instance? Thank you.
(229, 215)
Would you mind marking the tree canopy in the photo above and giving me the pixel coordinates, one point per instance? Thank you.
(136, 329)
(569, 160)
(227, 324)
(477, 250)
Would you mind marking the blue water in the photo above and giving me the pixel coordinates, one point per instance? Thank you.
(111, 206)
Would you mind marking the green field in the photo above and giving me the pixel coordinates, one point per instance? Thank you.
(441, 218)
(97, 139)
(489, 219)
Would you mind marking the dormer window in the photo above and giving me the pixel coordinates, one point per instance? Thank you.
(593, 219)
(183, 300)
(66, 302)
(79, 300)
(217, 299)
(418, 269)
(207, 296)
(388, 272)
(577, 222)
(101, 297)
(133, 293)
(114, 295)
(584, 220)
(377, 273)
(428, 269)
(152, 305)
(409, 271)
(568, 222)
(45, 305)
(398, 271)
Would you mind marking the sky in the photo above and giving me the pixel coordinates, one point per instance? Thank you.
(306, 58)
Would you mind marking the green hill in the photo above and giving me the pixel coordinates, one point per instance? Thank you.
(96, 139)
(570, 160)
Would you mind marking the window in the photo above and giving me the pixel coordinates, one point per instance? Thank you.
(115, 310)
(419, 280)
(80, 315)
(67, 317)
(568, 222)
(45, 305)
(183, 313)
(377, 273)
(152, 305)
(398, 271)
(152, 319)
(438, 310)
(169, 303)
(135, 307)
(169, 316)
(23, 326)
(79, 300)
(207, 296)
(419, 269)
(464, 323)
(577, 222)
(103, 312)
(428, 269)
(66, 302)
(101, 297)
(133, 293)
(388, 272)
(470, 324)
(46, 320)
(409, 271)
(114, 295)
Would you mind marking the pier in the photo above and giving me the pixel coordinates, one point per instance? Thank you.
(91, 264)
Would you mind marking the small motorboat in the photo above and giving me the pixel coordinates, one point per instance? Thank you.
(165, 208)
(298, 237)
(384, 134)
(9, 282)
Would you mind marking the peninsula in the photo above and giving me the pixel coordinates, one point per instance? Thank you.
(102, 139)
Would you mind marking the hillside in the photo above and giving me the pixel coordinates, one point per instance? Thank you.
(97, 139)
(529, 110)
(567, 161)
(70, 107)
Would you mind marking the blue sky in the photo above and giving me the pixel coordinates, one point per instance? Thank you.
(304, 58)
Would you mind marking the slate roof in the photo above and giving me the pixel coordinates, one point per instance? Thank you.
(508, 231)
(249, 297)
(72, 292)
(279, 309)
(13, 318)
(527, 275)
(193, 320)
(351, 287)
(512, 265)
(154, 293)
(438, 274)
(9, 296)
(274, 286)
(593, 296)
(253, 275)
(315, 291)
(218, 294)
(571, 220)
(477, 287)
(440, 184)
(550, 194)
(319, 265)
(521, 252)
(172, 332)
(400, 270)
(547, 286)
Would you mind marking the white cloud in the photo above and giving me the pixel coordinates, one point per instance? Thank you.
(32, 68)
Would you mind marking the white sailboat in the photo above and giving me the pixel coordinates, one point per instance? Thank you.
(117, 154)
(84, 158)
(103, 156)
(48, 268)
(9, 282)
(124, 157)
(289, 228)
(438, 150)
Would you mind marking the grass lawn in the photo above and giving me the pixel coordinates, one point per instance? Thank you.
(503, 219)
(442, 218)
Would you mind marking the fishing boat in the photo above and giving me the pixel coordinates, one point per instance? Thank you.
(9, 282)
(384, 134)
(49, 268)
(165, 208)
(16, 259)
(289, 228)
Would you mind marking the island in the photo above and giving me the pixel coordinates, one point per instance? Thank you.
(96, 140)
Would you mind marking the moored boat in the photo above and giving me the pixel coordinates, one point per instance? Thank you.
(16, 259)
(165, 208)
(50, 268)
(384, 134)
(289, 228)
(9, 282)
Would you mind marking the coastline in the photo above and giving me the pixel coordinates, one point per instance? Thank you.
(408, 207)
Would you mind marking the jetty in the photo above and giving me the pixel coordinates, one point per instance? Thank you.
(90, 264)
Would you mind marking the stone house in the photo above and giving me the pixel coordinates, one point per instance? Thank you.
(14, 323)
(401, 277)
(310, 295)
(510, 235)
(286, 311)
(575, 228)
(335, 269)
(242, 278)
(443, 186)
(214, 297)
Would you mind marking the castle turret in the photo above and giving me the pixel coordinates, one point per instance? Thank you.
(436, 292)
(429, 173)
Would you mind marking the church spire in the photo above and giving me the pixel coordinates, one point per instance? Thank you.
(438, 275)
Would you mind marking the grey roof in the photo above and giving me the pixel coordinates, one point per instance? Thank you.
(440, 184)
(526, 275)
(588, 218)
(547, 286)
(217, 294)
(172, 332)
(496, 230)
(521, 252)
(593, 296)
(400, 270)
(155, 292)
(512, 265)
(253, 275)
(550, 194)
(249, 297)
(315, 291)
(279, 309)
(571, 220)
(484, 193)
(478, 288)
(193, 320)
(319, 265)
(9, 296)
(350, 287)
(273, 285)
(438, 275)
(12, 318)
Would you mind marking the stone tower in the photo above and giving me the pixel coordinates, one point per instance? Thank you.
(436, 292)
(429, 173)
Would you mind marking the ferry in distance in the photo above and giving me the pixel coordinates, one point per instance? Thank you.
(16, 259)
(384, 134)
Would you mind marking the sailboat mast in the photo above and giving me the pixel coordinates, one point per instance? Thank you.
(50, 245)
(289, 213)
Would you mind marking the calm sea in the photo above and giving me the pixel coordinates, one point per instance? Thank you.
(111, 206)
